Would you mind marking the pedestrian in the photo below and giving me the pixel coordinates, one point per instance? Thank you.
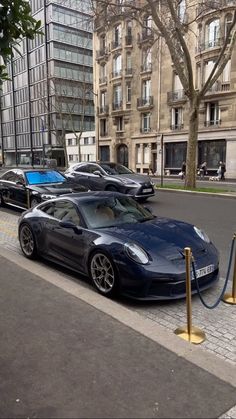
(222, 170)
(183, 170)
(203, 170)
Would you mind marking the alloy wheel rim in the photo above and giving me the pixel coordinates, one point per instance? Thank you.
(102, 273)
(27, 241)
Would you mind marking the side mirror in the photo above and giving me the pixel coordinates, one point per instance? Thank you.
(69, 224)
(20, 182)
(97, 173)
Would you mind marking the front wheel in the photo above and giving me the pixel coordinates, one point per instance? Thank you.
(27, 242)
(103, 274)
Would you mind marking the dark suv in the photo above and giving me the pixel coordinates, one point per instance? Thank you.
(107, 176)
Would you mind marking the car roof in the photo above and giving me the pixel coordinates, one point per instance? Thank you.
(89, 196)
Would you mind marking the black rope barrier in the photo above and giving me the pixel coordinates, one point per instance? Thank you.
(226, 280)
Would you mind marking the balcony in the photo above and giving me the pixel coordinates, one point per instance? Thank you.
(103, 80)
(146, 35)
(219, 87)
(212, 123)
(214, 43)
(128, 40)
(120, 134)
(117, 106)
(116, 73)
(213, 5)
(145, 130)
(101, 53)
(104, 110)
(176, 127)
(176, 96)
(116, 44)
(128, 71)
(145, 102)
(146, 67)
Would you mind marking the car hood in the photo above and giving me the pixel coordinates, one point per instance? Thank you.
(141, 179)
(58, 188)
(162, 236)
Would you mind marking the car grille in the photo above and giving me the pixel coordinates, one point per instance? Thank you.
(177, 289)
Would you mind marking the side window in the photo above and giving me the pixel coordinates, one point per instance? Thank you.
(93, 168)
(10, 176)
(66, 211)
(20, 177)
(83, 169)
(48, 208)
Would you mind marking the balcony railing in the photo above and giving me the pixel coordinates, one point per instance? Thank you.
(219, 87)
(176, 95)
(128, 40)
(117, 106)
(128, 71)
(213, 122)
(116, 73)
(116, 44)
(144, 101)
(146, 35)
(146, 67)
(145, 130)
(119, 134)
(104, 109)
(176, 127)
(103, 80)
(101, 53)
(214, 43)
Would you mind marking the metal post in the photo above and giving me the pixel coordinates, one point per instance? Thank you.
(190, 333)
(231, 298)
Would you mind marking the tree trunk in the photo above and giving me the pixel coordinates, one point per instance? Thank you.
(191, 168)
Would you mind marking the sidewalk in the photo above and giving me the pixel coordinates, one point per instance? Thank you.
(67, 352)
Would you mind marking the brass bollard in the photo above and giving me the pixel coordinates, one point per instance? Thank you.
(190, 333)
(231, 298)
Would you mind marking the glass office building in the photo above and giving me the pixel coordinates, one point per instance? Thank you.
(50, 91)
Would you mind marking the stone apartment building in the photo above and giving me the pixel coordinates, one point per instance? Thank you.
(142, 111)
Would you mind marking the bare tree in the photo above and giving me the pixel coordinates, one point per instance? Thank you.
(175, 23)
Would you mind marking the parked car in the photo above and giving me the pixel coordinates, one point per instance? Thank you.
(119, 244)
(29, 187)
(107, 176)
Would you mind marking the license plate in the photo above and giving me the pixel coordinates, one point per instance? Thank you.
(204, 271)
(147, 190)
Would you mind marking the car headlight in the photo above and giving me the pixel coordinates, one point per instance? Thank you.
(202, 234)
(46, 196)
(136, 253)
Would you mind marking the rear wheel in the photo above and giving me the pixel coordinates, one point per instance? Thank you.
(103, 274)
(27, 242)
(1, 201)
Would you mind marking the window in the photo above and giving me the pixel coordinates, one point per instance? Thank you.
(128, 92)
(128, 63)
(103, 127)
(147, 24)
(228, 23)
(175, 154)
(103, 42)
(177, 85)
(212, 33)
(182, 10)
(103, 73)
(129, 33)
(117, 96)
(226, 72)
(145, 122)
(70, 141)
(177, 118)
(212, 114)
(138, 154)
(117, 36)
(117, 66)
(146, 90)
(146, 60)
(119, 123)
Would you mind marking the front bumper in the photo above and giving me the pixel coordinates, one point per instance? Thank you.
(141, 191)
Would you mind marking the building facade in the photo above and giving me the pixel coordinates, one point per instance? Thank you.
(81, 147)
(50, 91)
(142, 110)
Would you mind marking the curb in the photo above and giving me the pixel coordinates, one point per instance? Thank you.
(231, 195)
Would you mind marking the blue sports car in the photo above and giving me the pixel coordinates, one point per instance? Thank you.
(119, 244)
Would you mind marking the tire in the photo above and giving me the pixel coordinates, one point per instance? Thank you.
(103, 274)
(1, 201)
(27, 242)
(111, 188)
(34, 202)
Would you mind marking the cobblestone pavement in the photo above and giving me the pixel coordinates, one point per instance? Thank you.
(218, 324)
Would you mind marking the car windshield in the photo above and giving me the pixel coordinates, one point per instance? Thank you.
(115, 169)
(42, 177)
(113, 211)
